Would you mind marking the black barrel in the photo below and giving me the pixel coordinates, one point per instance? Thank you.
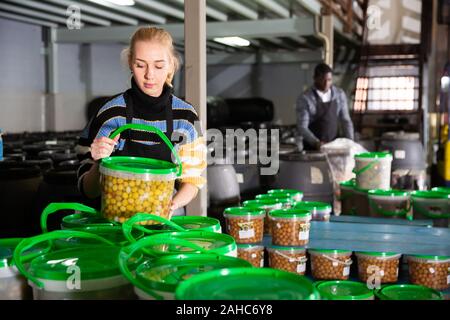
(250, 109)
(308, 172)
(218, 113)
(406, 149)
(19, 185)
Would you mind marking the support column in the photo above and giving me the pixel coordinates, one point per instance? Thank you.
(327, 29)
(51, 65)
(195, 75)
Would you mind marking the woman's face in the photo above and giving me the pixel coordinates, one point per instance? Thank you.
(151, 65)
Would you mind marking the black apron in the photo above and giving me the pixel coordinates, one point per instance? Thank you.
(325, 125)
(135, 149)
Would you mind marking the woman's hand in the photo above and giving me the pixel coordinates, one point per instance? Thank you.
(185, 195)
(103, 147)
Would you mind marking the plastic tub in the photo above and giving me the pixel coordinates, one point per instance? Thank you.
(373, 170)
(133, 184)
(381, 265)
(296, 195)
(431, 204)
(157, 279)
(290, 227)
(251, 253)
(268, 205)
(320, 211)
(81, 272)
(247, 284)
(191, 242)
(389, 203)
(290, 259)
(408, 292)
(330, 264)
(361, 202)
(285, 199)
(430, 271)
(244, 224)
(344, 290)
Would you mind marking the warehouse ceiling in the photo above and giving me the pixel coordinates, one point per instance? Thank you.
(101, 16)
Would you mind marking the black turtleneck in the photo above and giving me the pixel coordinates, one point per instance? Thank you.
(143, 103)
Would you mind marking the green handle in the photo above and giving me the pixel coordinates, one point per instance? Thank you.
(30, 242)
(128, 225)
(127, 252)
(402, 213)
(55, 207)
(148, 128)
(365, 168)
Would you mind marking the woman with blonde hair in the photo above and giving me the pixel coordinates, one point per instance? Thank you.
(153, 62)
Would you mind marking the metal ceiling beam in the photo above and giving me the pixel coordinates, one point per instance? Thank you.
(248, 58)
(171, 11)
(28, 20)
(312, 6)
(274, 7)
(96, 11)
(247, 29)
(132, 11)
(239, 8)
(60, 11)
(210, 12)
(31, 13)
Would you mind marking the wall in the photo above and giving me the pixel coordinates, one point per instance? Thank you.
(22, 75)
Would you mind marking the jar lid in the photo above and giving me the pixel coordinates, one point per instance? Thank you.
(243, 211)
(428, 257)
(313, 205)
(275, 197)
(344, 290)
(139, 165)
(429, 195)
(378, 254)
(388, 193)
(373, 155)
(197, 223)
(262, 203)
(290, 213)
(408, 292)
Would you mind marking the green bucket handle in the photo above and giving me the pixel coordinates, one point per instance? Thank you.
(402, 213)
(127, 252)
(365, 168)
(128, 225)
(428, 214)
(54, 235)
(144, 127)
(55, 207)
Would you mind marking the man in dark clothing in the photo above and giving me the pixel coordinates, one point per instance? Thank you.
(321, 109)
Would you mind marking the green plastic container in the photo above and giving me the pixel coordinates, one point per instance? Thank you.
(373, 170)
(344, 290)
(245, 224)
(291, 259)
(430, 271)
(296, 195)
(247, 284)
(157, 279)
(430, 204)
(82, 272)
(191, 242)
(268, 205)
(389, 203)
(198, 223)
(347, 197)
(135, 184)
(290, 227)
(408, 292)
(337, 262)
(320, 211)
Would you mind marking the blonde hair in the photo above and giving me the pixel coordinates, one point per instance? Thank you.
(160, 36)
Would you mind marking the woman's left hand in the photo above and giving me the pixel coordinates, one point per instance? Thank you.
(173, 206)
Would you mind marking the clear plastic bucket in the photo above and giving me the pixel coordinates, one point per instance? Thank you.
(430, 271)
(373, 170)
(290, 227)
(134, 184)
(382, 266)
(245, 224)
(289, 259)
(389, 203)
(330, 264)
(253, 253)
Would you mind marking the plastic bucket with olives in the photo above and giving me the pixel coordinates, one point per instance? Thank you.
(296, 195)
(245, 224)
(379, 265)
(253, 253)
(292, 259)
(290, 227)
(389, 203)
(268, 205)
(135, 184)
(158, 278)
(330, 264)
(320, 211)
(431, 204)
(430, 271)
(373, 170)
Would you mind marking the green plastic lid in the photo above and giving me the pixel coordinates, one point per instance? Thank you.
(247, 284)
(441, 190)
(427, 257)
(388, 193)
(112, 233)
(94, 262)
(290, 213)
(81, 220)
(197, 223)
(7, 247)
(167, 272)
(243, 211)
(328, 251)
(213, 242)
(262, 203)
(408, 292)
(344, 290)
(312, 205)
(429, 195)
(349, 184)
(285, 191)
(377, 254)
(373, 155)
(276, 197)
(139, 165)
